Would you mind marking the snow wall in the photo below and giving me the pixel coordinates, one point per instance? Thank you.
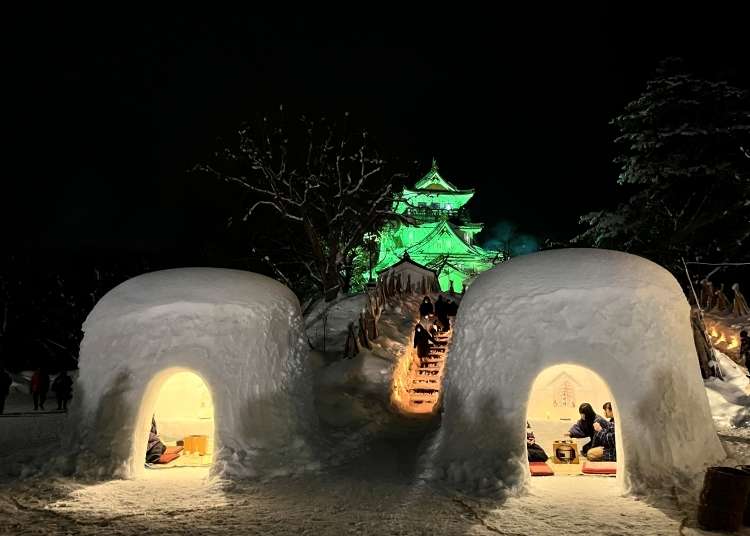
(240, 332)
(619, 315)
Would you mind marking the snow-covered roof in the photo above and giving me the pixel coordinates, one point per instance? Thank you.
(578, 268)
(214, 286)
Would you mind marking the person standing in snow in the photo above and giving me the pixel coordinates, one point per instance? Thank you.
(589, 426)
(39, 388)
(5, 382)
(425, 308)
(422, 339)
(63, 387)
(745, 348)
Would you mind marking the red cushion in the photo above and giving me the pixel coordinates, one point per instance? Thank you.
(540, 469)
(173, 450)
(599, 468)
(168, 457)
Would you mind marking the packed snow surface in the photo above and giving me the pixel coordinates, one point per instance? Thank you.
(375, 494)
(619, 315)
(240, 332)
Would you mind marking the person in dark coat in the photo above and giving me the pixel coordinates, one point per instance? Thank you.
(5, 382)
(451, 308)
(585, 427)
(603, 444)
(63, 388)
(441, 312)
(425, 309)
(535, 452)
(39, 388)
(439, 306)
(155, 447)
(422, 339)
(745, 348)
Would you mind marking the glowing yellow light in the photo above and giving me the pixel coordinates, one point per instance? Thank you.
(734, 342)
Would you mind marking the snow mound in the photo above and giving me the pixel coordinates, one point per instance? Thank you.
(617, 314)
(240, 332)
(729, 399)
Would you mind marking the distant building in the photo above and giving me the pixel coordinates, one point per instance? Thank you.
(439, 235)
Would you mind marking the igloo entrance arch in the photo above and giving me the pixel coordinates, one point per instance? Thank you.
(180, 403)
(553, 407)
(240, 332)
(615, 313)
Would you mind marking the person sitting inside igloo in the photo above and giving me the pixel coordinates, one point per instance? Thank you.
(155, 447)
(535, 452)
(599, 430)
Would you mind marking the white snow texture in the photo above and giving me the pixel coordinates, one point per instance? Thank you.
(617, 314)
(240, 332)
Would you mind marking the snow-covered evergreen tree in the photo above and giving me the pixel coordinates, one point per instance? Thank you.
(685, 154)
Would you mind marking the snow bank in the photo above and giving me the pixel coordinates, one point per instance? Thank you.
(327, 324)
(240, 332)
(356, 393)
(617, 314)
(730, 403)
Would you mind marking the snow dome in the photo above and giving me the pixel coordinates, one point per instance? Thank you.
(616, 315)
(210, 353)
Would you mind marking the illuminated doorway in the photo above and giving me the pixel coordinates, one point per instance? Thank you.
(553, 408)
(179, 403)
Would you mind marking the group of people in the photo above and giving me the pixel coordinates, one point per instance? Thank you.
(600, 430)
(441, 310)
(39, 387)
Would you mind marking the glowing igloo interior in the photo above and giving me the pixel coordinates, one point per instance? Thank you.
(184, 414)
(554, 398)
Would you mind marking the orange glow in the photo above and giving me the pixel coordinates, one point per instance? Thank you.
(714, 333)
(734, 343)
(416, 385)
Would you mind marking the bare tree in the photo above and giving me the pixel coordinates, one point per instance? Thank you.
(322, 185)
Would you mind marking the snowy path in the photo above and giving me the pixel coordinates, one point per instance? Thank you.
(376, 494)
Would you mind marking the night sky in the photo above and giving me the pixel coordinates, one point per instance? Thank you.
(109, 110)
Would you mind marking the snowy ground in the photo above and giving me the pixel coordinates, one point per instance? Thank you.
(376, 494)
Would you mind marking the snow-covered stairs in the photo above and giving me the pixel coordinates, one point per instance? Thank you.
(425, 378)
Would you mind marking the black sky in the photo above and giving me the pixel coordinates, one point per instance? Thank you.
(109, 110)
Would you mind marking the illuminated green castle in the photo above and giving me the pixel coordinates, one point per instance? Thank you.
(439, 234)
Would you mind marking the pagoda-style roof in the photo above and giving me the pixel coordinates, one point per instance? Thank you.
(406, 259)
(435, 182)
(459, 246)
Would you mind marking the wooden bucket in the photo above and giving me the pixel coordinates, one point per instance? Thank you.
(723, 499)
(196, 443)
(746, 517)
